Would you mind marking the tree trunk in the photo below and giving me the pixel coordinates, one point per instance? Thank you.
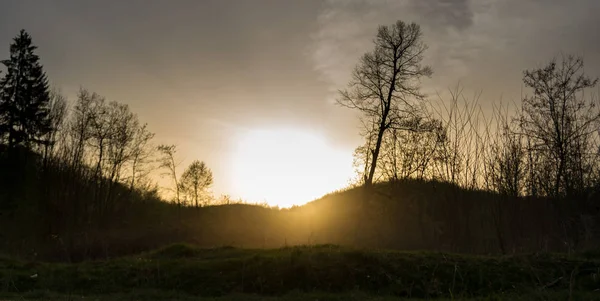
(196, 195)
(382, 128)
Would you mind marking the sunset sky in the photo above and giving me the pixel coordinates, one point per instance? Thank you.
(249, 86)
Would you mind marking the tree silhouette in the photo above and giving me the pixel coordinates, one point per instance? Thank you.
(24, 99)
(560, 121)
(57, 115)
(195, 180)
(141, 152)
(167, 161)
(386, 81)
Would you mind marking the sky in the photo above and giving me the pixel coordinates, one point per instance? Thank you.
(226, 80)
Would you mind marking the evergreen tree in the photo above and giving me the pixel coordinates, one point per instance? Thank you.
(24, 95)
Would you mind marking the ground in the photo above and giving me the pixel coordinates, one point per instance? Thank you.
(182, 272)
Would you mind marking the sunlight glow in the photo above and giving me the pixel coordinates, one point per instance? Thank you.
(287, 167)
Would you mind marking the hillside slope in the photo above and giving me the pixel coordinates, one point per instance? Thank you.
(49, 224)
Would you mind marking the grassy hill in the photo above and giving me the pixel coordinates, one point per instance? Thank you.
(65, 253)
(327, 272)
(410, 215)
(55, 215)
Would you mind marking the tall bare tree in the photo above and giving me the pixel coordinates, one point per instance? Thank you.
(124, 125)
(80, 125)
(167, 161)
(141, 151)
(386, 82)
(363, 154)
(559, 121)
(57, 114)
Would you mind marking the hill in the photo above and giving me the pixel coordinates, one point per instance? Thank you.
(406, 215)
(54, 217)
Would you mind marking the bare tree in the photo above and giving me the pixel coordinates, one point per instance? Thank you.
(167, 161)
(386, 81)
(100, 131)
(124, 125)
(409, 153)
(559, 122)
(122, 131)
(363, 155)
(80, 125)
(505, 157)
(195, 181)
(57, 114)
(141, 151)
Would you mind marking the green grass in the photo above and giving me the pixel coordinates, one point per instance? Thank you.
(182, 272)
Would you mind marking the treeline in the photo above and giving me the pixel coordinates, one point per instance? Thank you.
(69, 169)
(547, 146)
(544, 149)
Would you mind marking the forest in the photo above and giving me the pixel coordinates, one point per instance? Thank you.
(441, 174)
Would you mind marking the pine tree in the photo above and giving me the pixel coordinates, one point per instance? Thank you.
(24, 95)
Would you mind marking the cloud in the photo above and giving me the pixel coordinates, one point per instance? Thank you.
(445, 13)
(346, 29)
(484, 43)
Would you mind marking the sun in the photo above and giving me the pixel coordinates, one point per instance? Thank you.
(287, 167)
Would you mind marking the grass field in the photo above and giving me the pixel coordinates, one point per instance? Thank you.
(350, 296)
(182, 272)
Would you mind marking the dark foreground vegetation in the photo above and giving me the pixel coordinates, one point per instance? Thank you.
(404, 214)
(182, 271)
